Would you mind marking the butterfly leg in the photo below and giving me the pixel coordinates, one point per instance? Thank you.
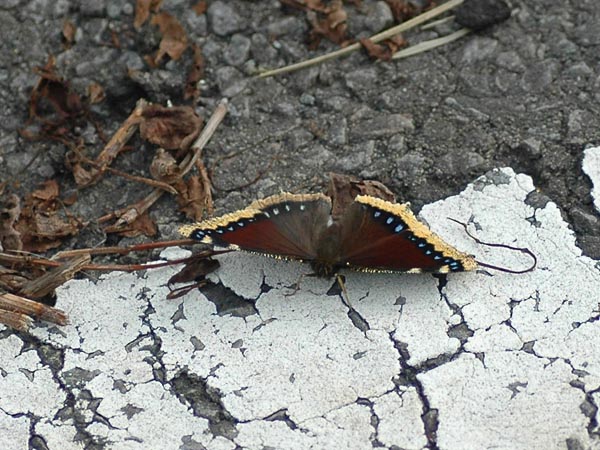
(296, 286)
(345, 298)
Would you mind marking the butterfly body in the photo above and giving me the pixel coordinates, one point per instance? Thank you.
(370, 234)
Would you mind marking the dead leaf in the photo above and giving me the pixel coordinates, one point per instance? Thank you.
(143, 225)
(192, 199)
(142, 11)
(170, 128)
(403, 10)
(343, 189)
(200, 7)
(55, 90)
(95, 93)
(386, 49)
(194, 270)
(43, 222)
(69, 29)
(174, 38)
(48, 191)
(164, 167)
(10, 210)
(196, 73)
(332, 27)
(82, 176)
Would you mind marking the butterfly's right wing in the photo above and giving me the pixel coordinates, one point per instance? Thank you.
(385, 236)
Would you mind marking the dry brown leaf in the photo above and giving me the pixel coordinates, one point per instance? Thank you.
(332, 27)
(82, 176)
(200, 7)
(343, 189)
(196, 73)
(44, 231)
(43, 224)
(192, 198)
(10, 210)
(174, 38)
(170, 128)
(143, 225)
(55, 90)
(195, 270)
(95, 93)
(68, 32)
(402, 10)
(384, 50)
(164, 167)
(142, 11)
(48, 191)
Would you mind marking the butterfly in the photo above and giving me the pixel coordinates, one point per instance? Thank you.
(368, 234)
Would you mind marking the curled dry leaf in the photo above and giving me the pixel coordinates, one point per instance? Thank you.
(48, 192)
(193, 200)
(142, 225)
(56, 91)
(10, 210)
(344, 188)
(95, 93)
(164, 166)
(68, 30)
(43, 224)
(170, 128)
(332, 27)
(174, 38)
(142, 11)
(402, 10)
(75, 164)
(194, 272)
(386, 49)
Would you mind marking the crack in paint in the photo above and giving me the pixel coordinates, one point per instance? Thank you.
(408, 377)
(374, 438)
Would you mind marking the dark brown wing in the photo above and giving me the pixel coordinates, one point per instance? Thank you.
(379, 235)
(285, 225)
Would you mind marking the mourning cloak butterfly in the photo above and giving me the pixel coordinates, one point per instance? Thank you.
(370, 234)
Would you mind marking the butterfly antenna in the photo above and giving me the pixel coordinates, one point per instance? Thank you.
(345, 297)
(510, 247)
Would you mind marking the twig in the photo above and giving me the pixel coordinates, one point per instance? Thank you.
(149, 181)
(431, 44)
(47, 283)
(376, 38)
(209, 129)
(118, 140)
(27, 260)
(122, 250)
(16, 309)
(435, 23)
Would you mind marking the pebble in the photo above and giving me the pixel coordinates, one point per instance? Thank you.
(223, 19)
(238, 50)
(231, 81)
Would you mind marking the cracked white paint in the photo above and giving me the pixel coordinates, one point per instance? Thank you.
(505, 360)
(400, 421)
(591, 167)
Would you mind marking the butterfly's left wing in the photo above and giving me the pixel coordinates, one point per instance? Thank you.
(381, 236)
(285, 225)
